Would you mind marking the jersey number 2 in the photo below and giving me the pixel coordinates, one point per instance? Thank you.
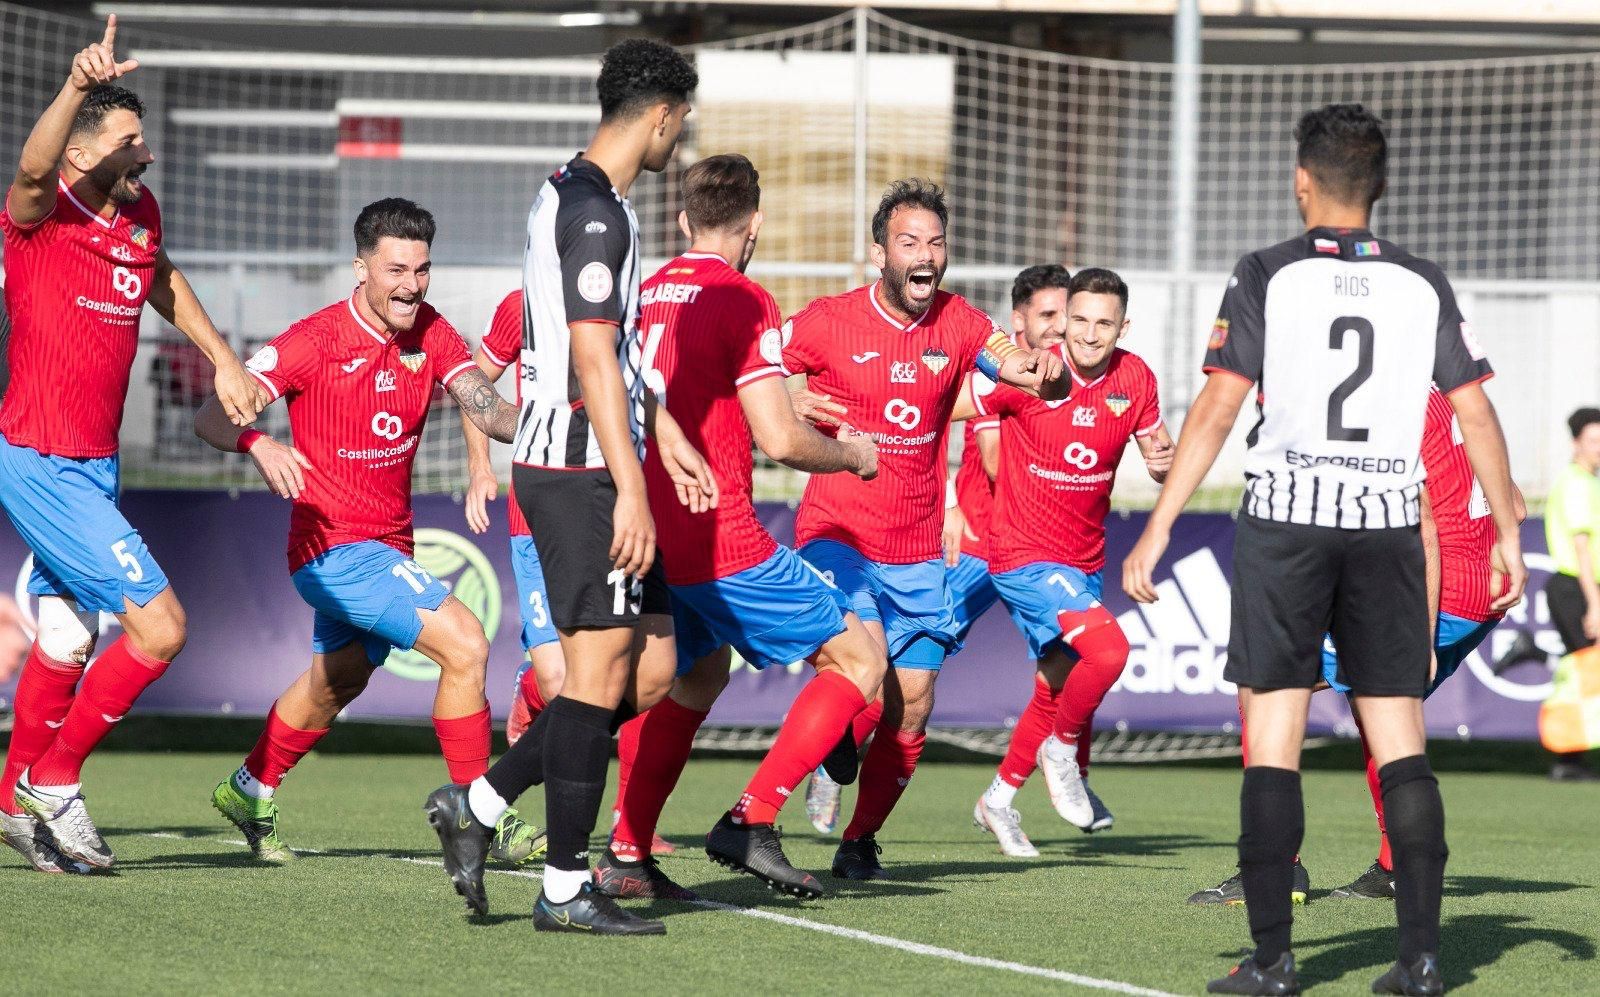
(1337, 430)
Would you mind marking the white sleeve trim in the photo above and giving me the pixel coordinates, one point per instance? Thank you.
(484, 346)
(756, 375)
(456, 372)
(1151, 428)
(276, 394)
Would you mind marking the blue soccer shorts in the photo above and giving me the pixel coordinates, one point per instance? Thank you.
(972, 592)
(370, 592)
(776, 613)
(533, 603)
(1036, 593)
(65, 509)
(910, 601)
(1456, 638)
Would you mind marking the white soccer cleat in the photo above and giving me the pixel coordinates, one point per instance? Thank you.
(67, 820)
(1068, 793)
(1006, 825)
(822, 802)
(33, 840)
(1103, 818)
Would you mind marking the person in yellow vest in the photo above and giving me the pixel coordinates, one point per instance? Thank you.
(1572, 531)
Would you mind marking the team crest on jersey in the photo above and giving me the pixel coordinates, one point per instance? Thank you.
(1083, 416)
(905, 372)
(384, 381)
(1219, 335)
(1119, 403)
(140, 236)
(935, 359)
(413, 360)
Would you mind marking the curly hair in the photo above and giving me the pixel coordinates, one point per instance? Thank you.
(639, 72)
(1343, 146)
(1037, 278)
(913, 192)
(101, 101)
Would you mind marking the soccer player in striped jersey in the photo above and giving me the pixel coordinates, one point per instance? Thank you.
(1463, 580)
(890, 357)
(83, 255)
(358, 377)
(1058, 463)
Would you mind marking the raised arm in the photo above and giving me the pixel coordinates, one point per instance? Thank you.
(783, 436)
(482, 486)
(174, 300)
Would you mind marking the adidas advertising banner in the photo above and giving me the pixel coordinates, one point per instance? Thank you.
(249, 633)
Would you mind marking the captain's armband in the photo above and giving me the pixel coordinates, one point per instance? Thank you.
(994, 354)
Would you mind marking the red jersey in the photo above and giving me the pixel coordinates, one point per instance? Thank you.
(975, 489)
(76, 284)
(899, 383)
(1461, 513)
(707, 330)
(357, 403)
(1058, 461)
(502, 343)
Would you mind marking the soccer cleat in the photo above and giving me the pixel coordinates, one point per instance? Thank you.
(1006, 825)
(843, 763)
(463, 841)
(1421, 977)
(256, 819)
(33, 840)
(1249, 978)
(1068, 794)
(1231, 890)
(67, 820)
(1377, 883)
(822, 802)
(758, 850)
(591, 911)
(858, 859)
(516, 842)
(1103, 818)
(643, 879)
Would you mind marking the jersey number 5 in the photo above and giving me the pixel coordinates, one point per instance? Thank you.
(1337, 337)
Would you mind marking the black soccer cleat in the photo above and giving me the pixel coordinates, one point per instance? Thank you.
(858, 859)
(1377, 883)
(593, 912)
(1421, 977)
(1249, 978)
(463, 841)
(758, 850)
(1231, 890)
(844, 761)
(644, 879)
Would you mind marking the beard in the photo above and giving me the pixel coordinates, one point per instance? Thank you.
(116, 183)
(894, 288)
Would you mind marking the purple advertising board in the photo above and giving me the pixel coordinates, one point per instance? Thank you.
(249, 633)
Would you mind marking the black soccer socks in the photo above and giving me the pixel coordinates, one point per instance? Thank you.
(1272, 821)
(579, 741)
(523, 763)
(1414, 816)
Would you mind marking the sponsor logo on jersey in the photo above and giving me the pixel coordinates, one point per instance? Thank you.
(384, 381)
(864, 357)
(935, 359)
(595, 227)
(1082, 457)
(265, 359)
(1219, 334)
(139, 236)
(903, 372)
(122, 253)
(350, 368)
(1369, 248)
(1326, 246)
(902, 413)
(413, 360)
(594, 282)
(1083, 416)
(1119, 403)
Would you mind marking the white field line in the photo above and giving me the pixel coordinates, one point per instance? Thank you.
(854, 934)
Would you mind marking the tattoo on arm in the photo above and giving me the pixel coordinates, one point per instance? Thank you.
(483, 405)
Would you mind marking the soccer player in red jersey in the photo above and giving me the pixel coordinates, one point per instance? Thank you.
(1058, 462)
(83, 255)
(359, 377)
(1463, 578)
(890, 357)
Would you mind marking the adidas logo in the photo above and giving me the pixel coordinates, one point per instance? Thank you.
(1180, 643)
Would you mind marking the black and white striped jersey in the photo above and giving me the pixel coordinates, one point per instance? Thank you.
(1342, 333)
(581, 264)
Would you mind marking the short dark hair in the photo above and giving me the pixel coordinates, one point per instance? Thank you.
(1582, 419)
(639, 72)
(1099, 280)
(395, 217)
(913, 192)
(101, 101)
(1036, 279)
(720, 192)
(1343, 146)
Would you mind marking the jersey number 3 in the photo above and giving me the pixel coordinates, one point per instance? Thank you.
(1337, 338)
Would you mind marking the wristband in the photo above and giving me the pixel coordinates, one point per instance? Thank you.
(950, 499)
(247, 439)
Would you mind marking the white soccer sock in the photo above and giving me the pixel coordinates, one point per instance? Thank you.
(1058, 750)
(486, 804)
(999, 795)
(246, 782)
(561, 885)
(62, 792)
